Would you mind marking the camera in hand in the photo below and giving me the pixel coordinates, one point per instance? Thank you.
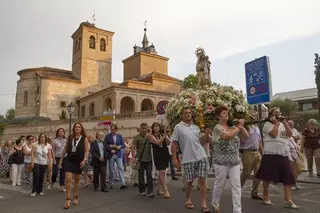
(281, 118)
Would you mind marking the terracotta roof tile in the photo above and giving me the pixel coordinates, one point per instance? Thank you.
(53, 73)
(157, 75)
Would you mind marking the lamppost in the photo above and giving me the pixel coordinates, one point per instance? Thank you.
(70, 108)
(37, 105)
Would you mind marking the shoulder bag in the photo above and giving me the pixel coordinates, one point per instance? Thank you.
(136, 165)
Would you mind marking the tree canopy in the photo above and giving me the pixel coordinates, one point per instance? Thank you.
(191, 82)
(287, 106)
(10, 114)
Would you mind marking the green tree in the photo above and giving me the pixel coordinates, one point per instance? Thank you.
(63, 115)
(317, 76)
(287, 106)
(190, 81)
(2, 117)
(10, 114)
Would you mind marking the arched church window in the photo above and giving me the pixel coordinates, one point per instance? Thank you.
(79, 44)
(25, 98)
(92, 42)
(102, 44)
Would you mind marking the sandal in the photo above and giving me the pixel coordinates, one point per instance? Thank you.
(166, 194)
(290, 205)
(215, 209)
(160, 192)
(256, 197)
(205, 210)
(189, 206)
(266, 201)
(68, 203)
(75, 201)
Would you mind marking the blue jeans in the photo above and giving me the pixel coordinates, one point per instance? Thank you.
(172, 171)
(27, 174)
(119, 161)
(56, 170)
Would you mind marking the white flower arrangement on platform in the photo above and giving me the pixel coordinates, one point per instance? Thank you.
(208, 98)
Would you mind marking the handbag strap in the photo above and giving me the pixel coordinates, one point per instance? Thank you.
(144, 146)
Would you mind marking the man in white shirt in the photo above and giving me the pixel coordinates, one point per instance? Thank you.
(295, 134)
(194, 158)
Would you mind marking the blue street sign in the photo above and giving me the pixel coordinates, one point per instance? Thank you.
(258, 81)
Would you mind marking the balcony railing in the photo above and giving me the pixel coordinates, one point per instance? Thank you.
(136, 114)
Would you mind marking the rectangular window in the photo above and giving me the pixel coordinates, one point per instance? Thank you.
(307, 106)
(83, 111)
(62, 104)
(91, 110)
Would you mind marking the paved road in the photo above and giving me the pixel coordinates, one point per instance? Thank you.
(18, 200)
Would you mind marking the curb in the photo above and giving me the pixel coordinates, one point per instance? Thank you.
(309, 182)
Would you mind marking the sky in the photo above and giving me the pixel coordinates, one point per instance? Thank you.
(38, 33)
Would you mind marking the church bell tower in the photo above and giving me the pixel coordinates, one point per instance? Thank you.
(92, 56)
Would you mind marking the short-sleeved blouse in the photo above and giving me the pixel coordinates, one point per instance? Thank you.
(224, 152)
(278, 145)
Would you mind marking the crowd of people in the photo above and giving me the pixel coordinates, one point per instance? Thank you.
(101, 159)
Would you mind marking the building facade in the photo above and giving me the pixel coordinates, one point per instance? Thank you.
(46, 91)
(307, 99)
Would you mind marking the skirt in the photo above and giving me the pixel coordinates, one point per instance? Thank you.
(276, 169)
(161, 163)
(72, 166)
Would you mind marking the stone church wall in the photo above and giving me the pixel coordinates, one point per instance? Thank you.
(127, 127)
(28, 84)
(97, 75)
(53, 93)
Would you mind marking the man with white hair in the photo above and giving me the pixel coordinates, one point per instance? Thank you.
(295, 152)
(295, 134)
(98, 150)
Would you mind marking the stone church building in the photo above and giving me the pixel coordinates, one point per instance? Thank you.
(46, 91)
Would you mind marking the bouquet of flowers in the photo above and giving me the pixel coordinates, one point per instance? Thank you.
(207, 98)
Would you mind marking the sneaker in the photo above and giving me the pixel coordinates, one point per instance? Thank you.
(124, 187)
(18, 184)
(293, 188)
(143, 194)
(151, 195)
(298, 187)
(49, 187)
(41, 193)
(33, 194)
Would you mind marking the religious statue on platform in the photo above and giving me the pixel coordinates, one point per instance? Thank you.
(203, 68)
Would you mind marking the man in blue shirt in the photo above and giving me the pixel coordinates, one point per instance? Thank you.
(115, 145)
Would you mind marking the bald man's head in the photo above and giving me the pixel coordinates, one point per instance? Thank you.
(99, 135)
(291, 123)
